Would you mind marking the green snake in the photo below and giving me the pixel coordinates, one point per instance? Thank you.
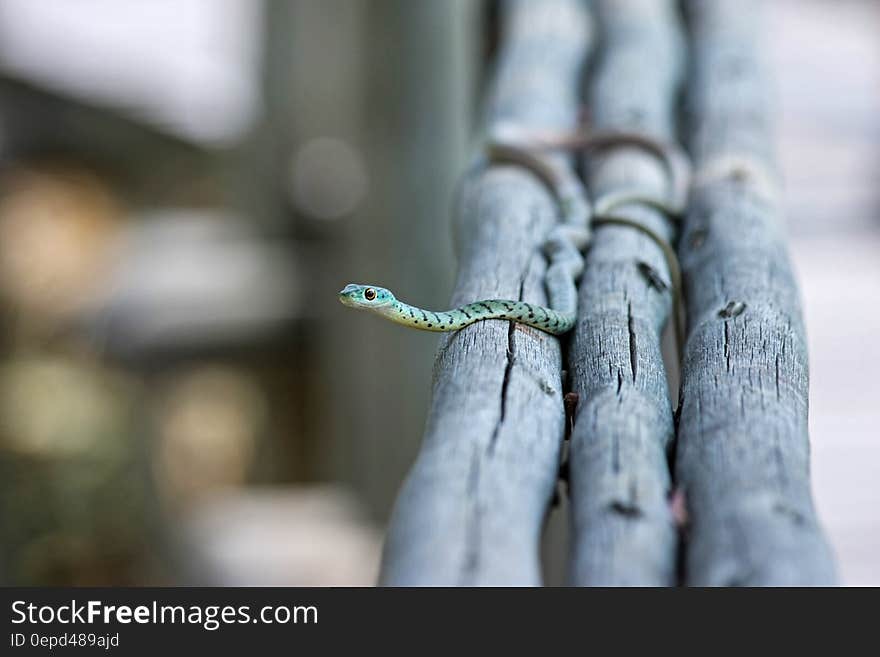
(564, 244)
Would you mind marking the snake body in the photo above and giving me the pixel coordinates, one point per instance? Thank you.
(382, 302)
(564, 244)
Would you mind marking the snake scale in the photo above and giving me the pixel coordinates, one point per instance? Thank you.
(563, 246)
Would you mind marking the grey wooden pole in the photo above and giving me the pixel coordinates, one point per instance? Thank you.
(622, 528)
(743, 451)
(473, 506)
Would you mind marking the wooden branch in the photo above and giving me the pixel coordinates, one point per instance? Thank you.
(623, 531)
(743, 451)
(473, 506)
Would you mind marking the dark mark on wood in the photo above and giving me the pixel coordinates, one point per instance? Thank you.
(633, 349)
(652, 277)
(732, 309)
(698, 238)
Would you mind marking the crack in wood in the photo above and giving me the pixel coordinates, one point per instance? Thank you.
(777, 378)
(633, 349)
(727, 345)
(508, 370)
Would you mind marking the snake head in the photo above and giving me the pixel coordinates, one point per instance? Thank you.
(370, 297)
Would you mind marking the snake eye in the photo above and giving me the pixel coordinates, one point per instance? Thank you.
(369, 294)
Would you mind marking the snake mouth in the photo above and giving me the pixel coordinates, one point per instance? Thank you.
(346, 295)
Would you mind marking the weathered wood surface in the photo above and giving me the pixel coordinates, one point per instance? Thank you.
(743, 452)
(472, 508)
(623, 531)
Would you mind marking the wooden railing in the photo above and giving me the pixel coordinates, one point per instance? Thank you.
(728, 488)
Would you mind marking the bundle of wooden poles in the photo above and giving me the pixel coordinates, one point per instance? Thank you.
(709, 487)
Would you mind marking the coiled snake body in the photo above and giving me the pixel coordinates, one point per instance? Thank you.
(564, 244)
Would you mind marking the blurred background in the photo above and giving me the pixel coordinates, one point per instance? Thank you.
(184, 186)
